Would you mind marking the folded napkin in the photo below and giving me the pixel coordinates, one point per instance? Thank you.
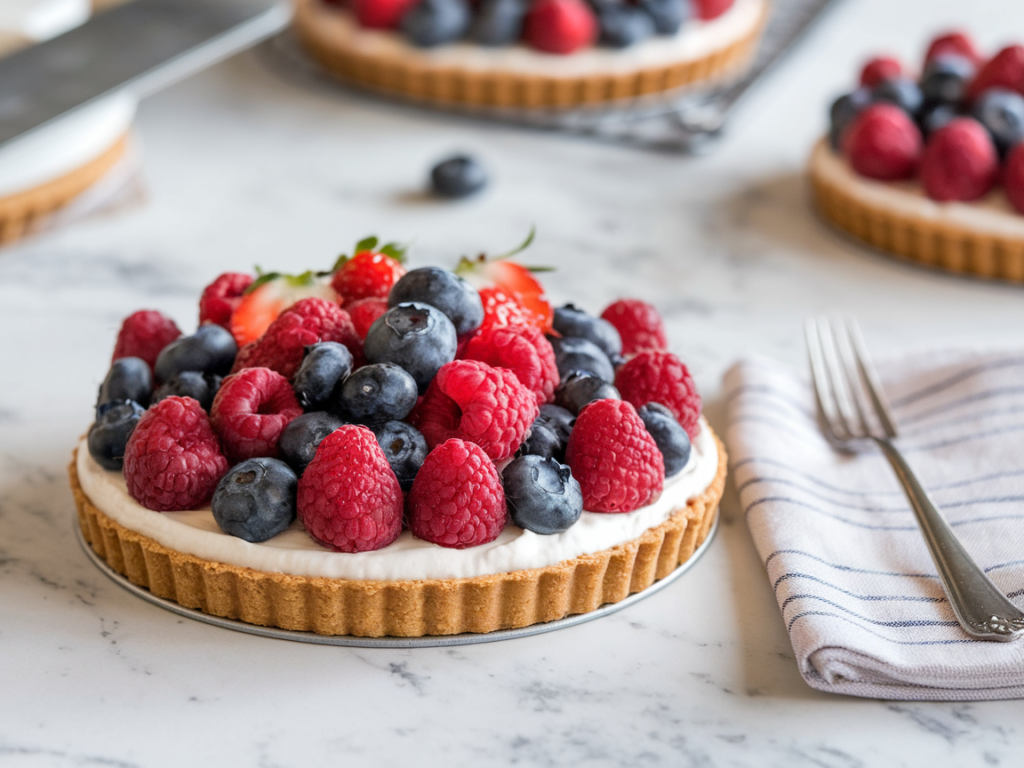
(858, 591)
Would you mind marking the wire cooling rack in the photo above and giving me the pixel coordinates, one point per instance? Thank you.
(684, 121)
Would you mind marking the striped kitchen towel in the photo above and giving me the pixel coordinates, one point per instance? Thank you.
(857, 589)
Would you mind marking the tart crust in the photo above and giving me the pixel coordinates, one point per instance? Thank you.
(412, 78)
(947, 245)
(403, 608)
(19, 212)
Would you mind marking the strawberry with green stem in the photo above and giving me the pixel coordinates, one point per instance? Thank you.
(370, 272)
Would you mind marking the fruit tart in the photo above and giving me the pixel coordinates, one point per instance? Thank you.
(551, 54)
(373, 451)
(930, 167)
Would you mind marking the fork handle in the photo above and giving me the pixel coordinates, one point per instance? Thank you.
(981, 608)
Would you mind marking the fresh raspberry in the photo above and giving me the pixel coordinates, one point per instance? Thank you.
(502, 310)
(363, 312)
(173, 458)
(472, 401)
(960, 161)
(614, 458)
(1004, 70)
(559, 26)
(367, 275)
(883, 143)
(1013, 177)
(457, 499)
(251, 410)
(349, 498)
(220, 298)
(711, 9)
(524, 351)
(306, 322)
(953, 44)
(660, 377)
(380, 14)
(880, 69)
(639, 325)
(143, 334)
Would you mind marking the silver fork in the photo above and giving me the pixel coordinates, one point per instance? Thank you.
(853, 407)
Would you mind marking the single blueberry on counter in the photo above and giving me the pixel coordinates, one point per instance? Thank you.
(108, 436)
(404, 448)
(377, 393)
(542, 495)
(445, 290)
(413, 336)
(325, 366)
(458, 176)
(211, 349)
(199, 386)
(129, 378)
(255, 500)
(302, 436)
(582, 387)
(669, 436)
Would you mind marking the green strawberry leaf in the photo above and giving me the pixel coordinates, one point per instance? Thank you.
(366, 244)
(262, 279)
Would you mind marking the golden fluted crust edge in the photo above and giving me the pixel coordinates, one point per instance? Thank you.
(403, 608)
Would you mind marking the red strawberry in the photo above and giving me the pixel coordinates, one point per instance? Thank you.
(510, 292)
(380, 14)
(268, 297)
(559, 26)
(1004, 70)
(367, 275)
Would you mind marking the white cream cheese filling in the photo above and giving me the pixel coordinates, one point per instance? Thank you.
(695, 40)
(295, 553)
(992, 214)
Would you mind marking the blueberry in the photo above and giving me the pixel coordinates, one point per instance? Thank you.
(542, 441)
(901, 91)
(299, 440)
(572, 321)
(1001, 111)
(414, 336)
(377, 393)
(199, 386)
(435, 22)
(404, 448)
(498, 22)
(668, 15)
(442, 289)
(624, 25)
(581, 387)
(458, 176)
(578, 354)
(255, 500)
(324, 367)
(945, 80)
(129, 378)
(211, 349)
(934, 116)
(542, 495)
(109, 434)
(844, 111)
(668, 434)
(557, 419)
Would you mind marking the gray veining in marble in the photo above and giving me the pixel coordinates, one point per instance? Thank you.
(242, 167)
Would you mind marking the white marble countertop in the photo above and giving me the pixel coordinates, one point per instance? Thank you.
(244, 167)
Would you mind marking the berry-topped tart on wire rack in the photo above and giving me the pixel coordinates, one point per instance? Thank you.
(930, 166)
(371, 451)
(530, 54)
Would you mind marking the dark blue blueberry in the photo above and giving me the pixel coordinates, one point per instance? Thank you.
(435, 22)
(935, 116)
(377, 393)
(442, 289)
(901, 91)
(572, 321)
(1001, 111)
(324, 367)
(458, 176)
(624, 25)
(255, 500)
(668, 434)
(945, 80)
(581, 387)
(413, 336)
(299, 440)
(578, 354)
(542, 495)
(129, 378)
(199, 386)
(844, 111)
(557, 419)
(109, 434)
(404, 448)
(211, 349)
(542, 441)
(498, 22)
(668, 15)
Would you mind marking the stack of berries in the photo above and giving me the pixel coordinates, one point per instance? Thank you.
(369, 398)
(551, 26)
(958, 128)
